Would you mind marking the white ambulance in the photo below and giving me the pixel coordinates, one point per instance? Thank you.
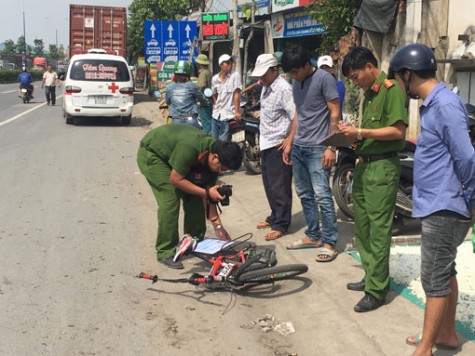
(98, 84)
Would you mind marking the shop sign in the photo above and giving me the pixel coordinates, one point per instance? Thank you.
(215, 26)
(281, 5)
(263, 7)
(295, 24)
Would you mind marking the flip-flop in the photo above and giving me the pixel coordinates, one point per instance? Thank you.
(273, 235)
(299, 245)
(416, 340)
(330, 255)
(263, 225)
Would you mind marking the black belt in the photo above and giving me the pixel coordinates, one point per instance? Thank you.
(372, 158)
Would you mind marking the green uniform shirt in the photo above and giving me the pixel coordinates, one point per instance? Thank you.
(383, 106)
(181, 146)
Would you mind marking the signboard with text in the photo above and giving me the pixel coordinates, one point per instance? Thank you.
(169, 40)
(215, 26)
(295, 24)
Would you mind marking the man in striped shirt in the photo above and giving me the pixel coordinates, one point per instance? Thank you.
(277, 112)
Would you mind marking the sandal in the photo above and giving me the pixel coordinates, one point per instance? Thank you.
(301, 244)
(416, 340)
(263, 225)
(328, 255)
(273, 235)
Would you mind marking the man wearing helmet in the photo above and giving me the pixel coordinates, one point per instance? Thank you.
(444, 190)
(182, 95)
(25, 78)
(380, 135)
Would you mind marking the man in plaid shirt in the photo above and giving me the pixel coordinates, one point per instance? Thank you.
(277, 112)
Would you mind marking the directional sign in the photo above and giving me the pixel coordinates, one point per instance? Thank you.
(187, 36)
(169, 40)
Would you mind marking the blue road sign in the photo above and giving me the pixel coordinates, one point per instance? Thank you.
(169, 40)
(187, 36)
(153, 41)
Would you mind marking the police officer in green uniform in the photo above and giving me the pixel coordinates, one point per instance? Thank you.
(376, 177)
(181, 163)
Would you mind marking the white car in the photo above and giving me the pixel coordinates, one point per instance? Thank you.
(170, 43)
(98, 84)
(152, 43)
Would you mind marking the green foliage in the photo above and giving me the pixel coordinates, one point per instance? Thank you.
(9, 47)
(11, 76)
(39, 50)
(152, 10)
(337, 17)
(352, 103)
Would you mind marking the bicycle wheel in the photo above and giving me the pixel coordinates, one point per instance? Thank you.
(271, 274)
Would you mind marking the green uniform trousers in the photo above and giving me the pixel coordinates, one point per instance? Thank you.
(168, 199)
(375, 187)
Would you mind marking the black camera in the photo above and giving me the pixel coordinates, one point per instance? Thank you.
(227, 191)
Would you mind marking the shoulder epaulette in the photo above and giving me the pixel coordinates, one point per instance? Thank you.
(388, 84)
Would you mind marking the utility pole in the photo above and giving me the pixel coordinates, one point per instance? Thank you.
(24, 36)
(236, 53)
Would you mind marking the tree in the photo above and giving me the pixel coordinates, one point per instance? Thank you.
(153, 10)
(9, 47)
(337, 17)
(39, 50)
(20, 45)
(53, 51)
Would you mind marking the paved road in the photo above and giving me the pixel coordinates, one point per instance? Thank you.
(77, 222)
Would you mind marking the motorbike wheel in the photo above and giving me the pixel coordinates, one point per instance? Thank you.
(252, 158)
(25, 99)
(342, 187)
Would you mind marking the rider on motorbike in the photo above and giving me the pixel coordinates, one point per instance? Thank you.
(25, 78)
(182, 95)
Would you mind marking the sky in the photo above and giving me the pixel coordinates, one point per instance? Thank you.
(44, 19)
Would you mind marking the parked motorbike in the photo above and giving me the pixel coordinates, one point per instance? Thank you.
(246, 134)
(343, 183)
(25, 94)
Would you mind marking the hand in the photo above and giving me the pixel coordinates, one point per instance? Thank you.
(347, 130)
(328, 158)
(286, 147)
(237, 116)
(214, 195)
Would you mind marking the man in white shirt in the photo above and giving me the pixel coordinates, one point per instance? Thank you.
(50, 79)
(226, 86)
(277, 112)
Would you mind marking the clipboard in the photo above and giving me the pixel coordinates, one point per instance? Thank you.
(338, 140)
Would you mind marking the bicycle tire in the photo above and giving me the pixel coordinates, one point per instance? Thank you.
(272, 274)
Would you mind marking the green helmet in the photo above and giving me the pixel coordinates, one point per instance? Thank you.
(182, 67)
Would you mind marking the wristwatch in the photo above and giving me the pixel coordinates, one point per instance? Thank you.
(333, 148)
(359, 136)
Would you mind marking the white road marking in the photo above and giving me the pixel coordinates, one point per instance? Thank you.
(7, 92)
(24, 113)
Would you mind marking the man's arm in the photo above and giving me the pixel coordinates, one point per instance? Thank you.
(388, 133)
(237, 100)
(287, 143)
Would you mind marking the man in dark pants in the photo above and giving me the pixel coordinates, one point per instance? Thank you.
(277, 112)
(181, 163)
(376, 178)
(50, 80)
(444, 191)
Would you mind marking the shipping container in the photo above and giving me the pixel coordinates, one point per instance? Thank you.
(97, 27)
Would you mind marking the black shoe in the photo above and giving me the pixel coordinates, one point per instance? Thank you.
(168, 261)
(368, 303)
(47, 103)
(358, 286)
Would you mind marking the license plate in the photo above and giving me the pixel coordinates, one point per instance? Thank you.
(100, 99)
(238, 136)
(23, 90)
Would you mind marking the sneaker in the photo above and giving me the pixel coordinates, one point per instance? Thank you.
(368, 303)
(168, 261)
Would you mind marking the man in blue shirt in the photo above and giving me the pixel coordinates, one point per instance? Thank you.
(444, 190)
(25, 79)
